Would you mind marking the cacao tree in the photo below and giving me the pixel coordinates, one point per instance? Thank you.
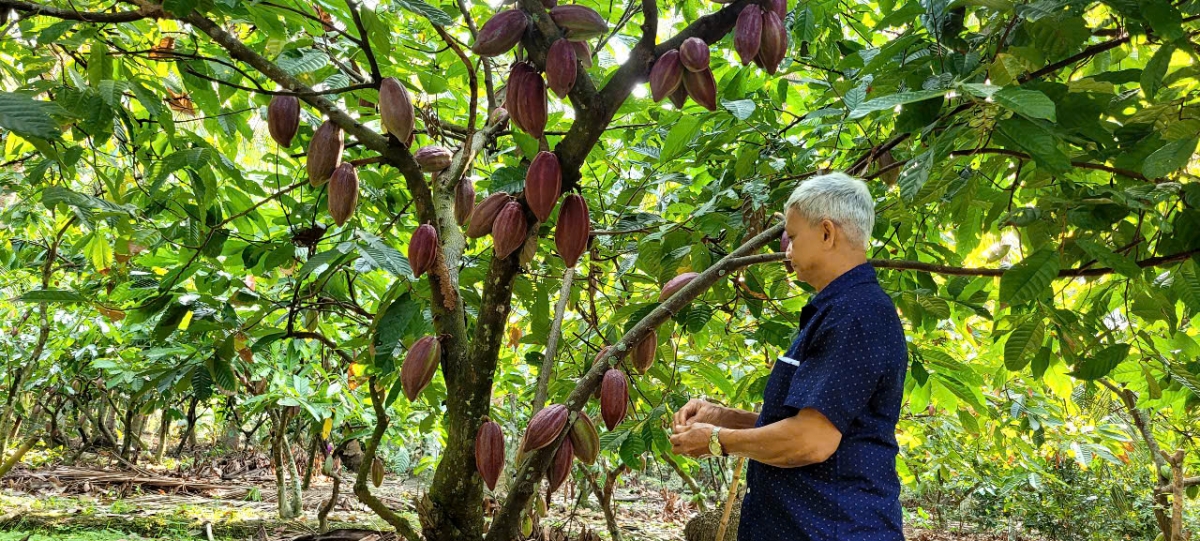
(226, 190)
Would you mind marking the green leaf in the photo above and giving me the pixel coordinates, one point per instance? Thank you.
(631, 450)
(1036, 140)
(1100, 364)
(742, 109)
(221, 372)
(679, 137)
(1156, 70)
(1187, 283)
(392, 326)
(298, 61)
(379, 255)
(27, 117)
(1110, 259)
(435, 15)
(323, 261)
(180, 7)
(1030, 278)
(914, 175)
(51, 295)
(1169, 158)
(1030, 103)
(51, 33)
(1022, 344)
(891, 101)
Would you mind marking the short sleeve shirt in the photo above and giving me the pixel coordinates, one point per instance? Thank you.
(848, 361)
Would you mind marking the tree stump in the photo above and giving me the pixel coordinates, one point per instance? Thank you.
(703, 527)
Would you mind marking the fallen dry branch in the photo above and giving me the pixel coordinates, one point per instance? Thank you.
(101, 477)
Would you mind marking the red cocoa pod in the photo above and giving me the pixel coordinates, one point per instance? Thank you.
(679, 97)
(747, 33)
(675, 284)
(343, 193)
(498, 115)
(501, 33)
(324, 152)
(283, 119)
(422, 249)
(396, 110)
(549, 4)
(584, 439)
(509, 229)
(512, 97)
(614, 398)
(420, 364)
(693, 54)
(432, 158)
(485, 213)
(644, 352)
(561, 66)
(544, 427)
(561, 467)
(702, 87)
(666, 75)
(532, 109)
(543, 184)
(583, 52)
(774, 42)
(784, 242)
(573, 228)
(464, 200)
(489, 452)
(779, 7)
(580, 23)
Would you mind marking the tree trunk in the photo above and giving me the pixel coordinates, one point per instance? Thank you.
(189, 433)
(7, 465)
(131, 429)
(704, 526)
(312, 460)
(164, 430)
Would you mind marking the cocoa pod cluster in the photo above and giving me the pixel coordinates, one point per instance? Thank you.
(420, 364)
(489, 452)
(526, 99)
(484, 214)
(673, 76)
(760, 36)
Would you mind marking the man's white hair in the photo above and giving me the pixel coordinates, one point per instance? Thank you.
(840, 198)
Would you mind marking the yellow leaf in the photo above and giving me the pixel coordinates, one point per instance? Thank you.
(327, 428)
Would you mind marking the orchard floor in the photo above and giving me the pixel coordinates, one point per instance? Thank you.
(98, 503)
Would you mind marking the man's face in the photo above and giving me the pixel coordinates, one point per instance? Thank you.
(809, 243)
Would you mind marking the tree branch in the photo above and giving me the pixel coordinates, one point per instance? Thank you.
(324, 340)
(361, 490)
(32, 9)
(529, 471)
(1082, 55)
(363, 42)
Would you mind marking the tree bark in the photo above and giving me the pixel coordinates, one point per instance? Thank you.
(164, 430)
(7, 465)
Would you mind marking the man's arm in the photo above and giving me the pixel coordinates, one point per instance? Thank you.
(803, 439)
(702, 411)
(733, 418)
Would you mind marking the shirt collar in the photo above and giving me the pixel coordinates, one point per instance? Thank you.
(862, 274)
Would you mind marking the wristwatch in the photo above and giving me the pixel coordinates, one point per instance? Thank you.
(714, 443)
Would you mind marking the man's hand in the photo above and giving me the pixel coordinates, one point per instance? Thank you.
(696, 411)
(692, 440)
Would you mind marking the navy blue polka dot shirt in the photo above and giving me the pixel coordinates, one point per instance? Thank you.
(848, 362)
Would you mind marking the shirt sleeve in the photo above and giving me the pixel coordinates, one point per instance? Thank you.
(842, 366)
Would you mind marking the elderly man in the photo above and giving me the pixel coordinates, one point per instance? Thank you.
(823, 449)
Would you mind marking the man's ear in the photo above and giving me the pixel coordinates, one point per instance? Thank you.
(828, 233)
